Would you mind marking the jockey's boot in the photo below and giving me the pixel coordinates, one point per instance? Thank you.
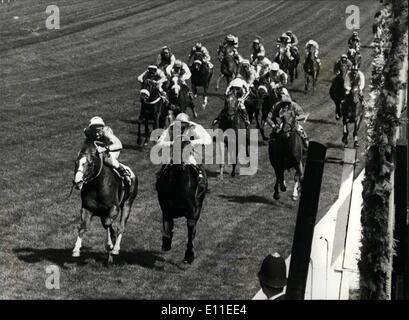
(124, 174)
(202, 182)
(244, 116)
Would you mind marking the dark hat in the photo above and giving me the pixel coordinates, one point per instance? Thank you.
(273, 271)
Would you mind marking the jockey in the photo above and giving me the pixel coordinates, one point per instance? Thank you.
(343, 65)
(277, 78)
(354, 42)
(284, 45)
(97, 131)
(353, 56)
(182, 71)
(262, 65)
(354, 78)
(293, 42)
(247, 73)
(229, 47)
(165, 58)
(243, 91)
(256, 48)
(312, 44)
(199, 48)
(287, 105)
(156, 75)
(200, 137)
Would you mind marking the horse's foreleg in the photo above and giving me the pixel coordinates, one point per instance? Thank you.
(139, 140)
(167, 233)
(298, 176)
(145, 143)
(126, 210)
(218, 81)
(345, 134)
(279, 181)
(85, 223)
(356, 128)
(191, 233)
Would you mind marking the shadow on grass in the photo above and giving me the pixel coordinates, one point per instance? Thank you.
(61, 257)
(129, 121)
(248, 199)
(331, 145)
(321, 121)
(133, 147)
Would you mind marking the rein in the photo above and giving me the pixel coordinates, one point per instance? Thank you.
(154, 101)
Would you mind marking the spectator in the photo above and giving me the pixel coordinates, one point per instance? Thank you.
(273, 277)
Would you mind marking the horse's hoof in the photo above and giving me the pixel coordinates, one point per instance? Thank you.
(295, 198)
(110, 260)
(166, 244)
(109, 247)
(283, 188)
(195, 115)
(276, 196)
(76, 254)
(115, 252)
(189, 257)
(356, 144)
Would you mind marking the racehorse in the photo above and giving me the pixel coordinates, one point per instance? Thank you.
(355, 57)
(287, 65)
(253, 106)
(229, 69)
(179, 98)
(231, 120)
(352, 112)
(286, 151)
(180, 196)
(269, 97)
(201, 76)
(311, 70)
(103, 194)
(337, 93)
(153, 108)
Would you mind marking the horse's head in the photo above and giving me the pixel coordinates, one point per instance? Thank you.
(148, 90)
(232, 102)
(354, 95)
(197, 65)
(175, 87)
(287, 121)
(86, 164)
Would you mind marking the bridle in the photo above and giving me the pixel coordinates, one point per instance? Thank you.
(85, 181)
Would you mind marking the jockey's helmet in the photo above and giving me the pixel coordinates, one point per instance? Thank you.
(152, 67)
(285, 93)
(261, 55)
(230, 38)
(256, 41)
(354, 68)
(275, 66)
(289, 33)
(245, 63)
(355, 33)
(166, 50)
(273, 271)
(177, 64)
(96, 122)
(198, 46)
(344, 56)
(182, 117)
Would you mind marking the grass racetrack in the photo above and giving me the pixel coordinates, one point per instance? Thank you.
(53, 81)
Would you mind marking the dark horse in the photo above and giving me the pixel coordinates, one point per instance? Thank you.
(253, 106)
(337, 93)
(231, 120)
(179, 98)
(103, 194)
(287, 65)
(311, 70)
(179, 196)
(201, 76)
(229, 69)
(153, 108)
(269, 97)
(286, 151)
(352, 112)
(355, 57)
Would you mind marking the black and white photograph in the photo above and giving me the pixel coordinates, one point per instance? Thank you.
(227, 151)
